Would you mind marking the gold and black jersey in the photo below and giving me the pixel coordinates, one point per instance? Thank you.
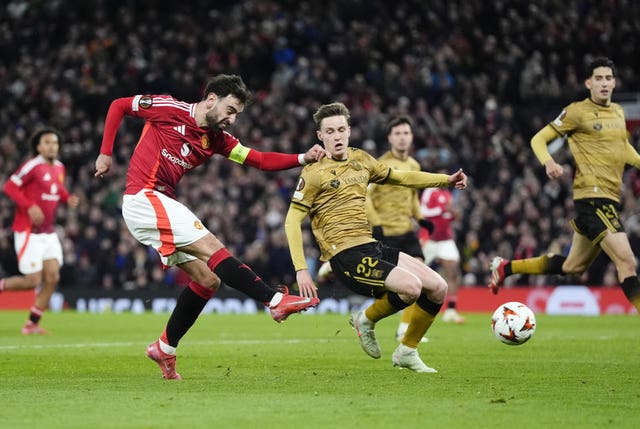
(394, 207)
(334, 193)
(597, 138)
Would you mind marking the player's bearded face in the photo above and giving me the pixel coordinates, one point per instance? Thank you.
(223, 113)
(215, 120)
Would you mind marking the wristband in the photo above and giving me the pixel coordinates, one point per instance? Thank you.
(301, 160)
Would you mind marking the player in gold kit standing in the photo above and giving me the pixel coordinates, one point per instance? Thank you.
(392, 209)
(598, 141)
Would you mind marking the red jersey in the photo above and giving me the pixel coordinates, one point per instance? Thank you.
(434, 205)
(39, 183)
(172, 144)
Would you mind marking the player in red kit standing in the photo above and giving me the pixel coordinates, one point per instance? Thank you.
(436, 205)
(177, 137)
(36, 188)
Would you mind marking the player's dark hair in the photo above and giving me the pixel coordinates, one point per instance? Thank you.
(333, 109)
(399, 120)
(34, 140)
(599, 62)
(225, 84)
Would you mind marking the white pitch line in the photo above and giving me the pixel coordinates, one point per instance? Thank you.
(195, 343)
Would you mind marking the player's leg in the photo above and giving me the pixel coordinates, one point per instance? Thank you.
(433, 290)
(451, 273)
(240, 276)
(617, 247)
(424, 312)
(370, 270)
(189, 305)
(32, 250)
(402, 289)
(190, 302)
(402, 285)
(449, 261)
(581, 254)
(171, 228)
(50, 279)
(51, 249)
(30, 253)
(405, 318)
(429, 252)
(26, 282)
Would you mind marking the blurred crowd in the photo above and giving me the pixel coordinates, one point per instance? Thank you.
(478, 79)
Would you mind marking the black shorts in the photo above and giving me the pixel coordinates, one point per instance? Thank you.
(596, 216)
(407, 243)
(363, 269)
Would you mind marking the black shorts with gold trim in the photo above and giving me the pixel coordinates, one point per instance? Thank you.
(408, 243)
(364, 268)
(596, 216)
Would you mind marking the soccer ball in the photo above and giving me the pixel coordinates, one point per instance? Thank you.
(513, 323)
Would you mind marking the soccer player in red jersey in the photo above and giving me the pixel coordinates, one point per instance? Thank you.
(436, 205)
(177, 137)
(36, 188)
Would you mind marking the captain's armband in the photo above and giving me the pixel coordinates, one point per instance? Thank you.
(239, 154)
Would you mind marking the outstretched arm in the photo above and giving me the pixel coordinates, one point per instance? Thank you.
(422, 179)
(293, 229)
(274, 161)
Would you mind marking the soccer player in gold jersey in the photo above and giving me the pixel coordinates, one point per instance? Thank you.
(392, 209)
(598, 141)
(333, 195)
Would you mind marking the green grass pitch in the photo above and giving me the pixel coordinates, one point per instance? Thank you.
(246, 371)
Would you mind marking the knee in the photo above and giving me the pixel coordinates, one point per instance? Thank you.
(413, 289)
(627, 266)
(573, 269)
(33, 281)
(438, 288)
(206, 278)
(212, 283)
(51, 278)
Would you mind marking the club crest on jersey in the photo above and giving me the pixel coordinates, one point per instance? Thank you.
(335, 183)
(205, 142)
(185, 150)
(597, 126)
(561, 116)
(145, 102)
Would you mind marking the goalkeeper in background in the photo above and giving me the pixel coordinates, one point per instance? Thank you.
(597, 136)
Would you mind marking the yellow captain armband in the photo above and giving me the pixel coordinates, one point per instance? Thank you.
(239, 154)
